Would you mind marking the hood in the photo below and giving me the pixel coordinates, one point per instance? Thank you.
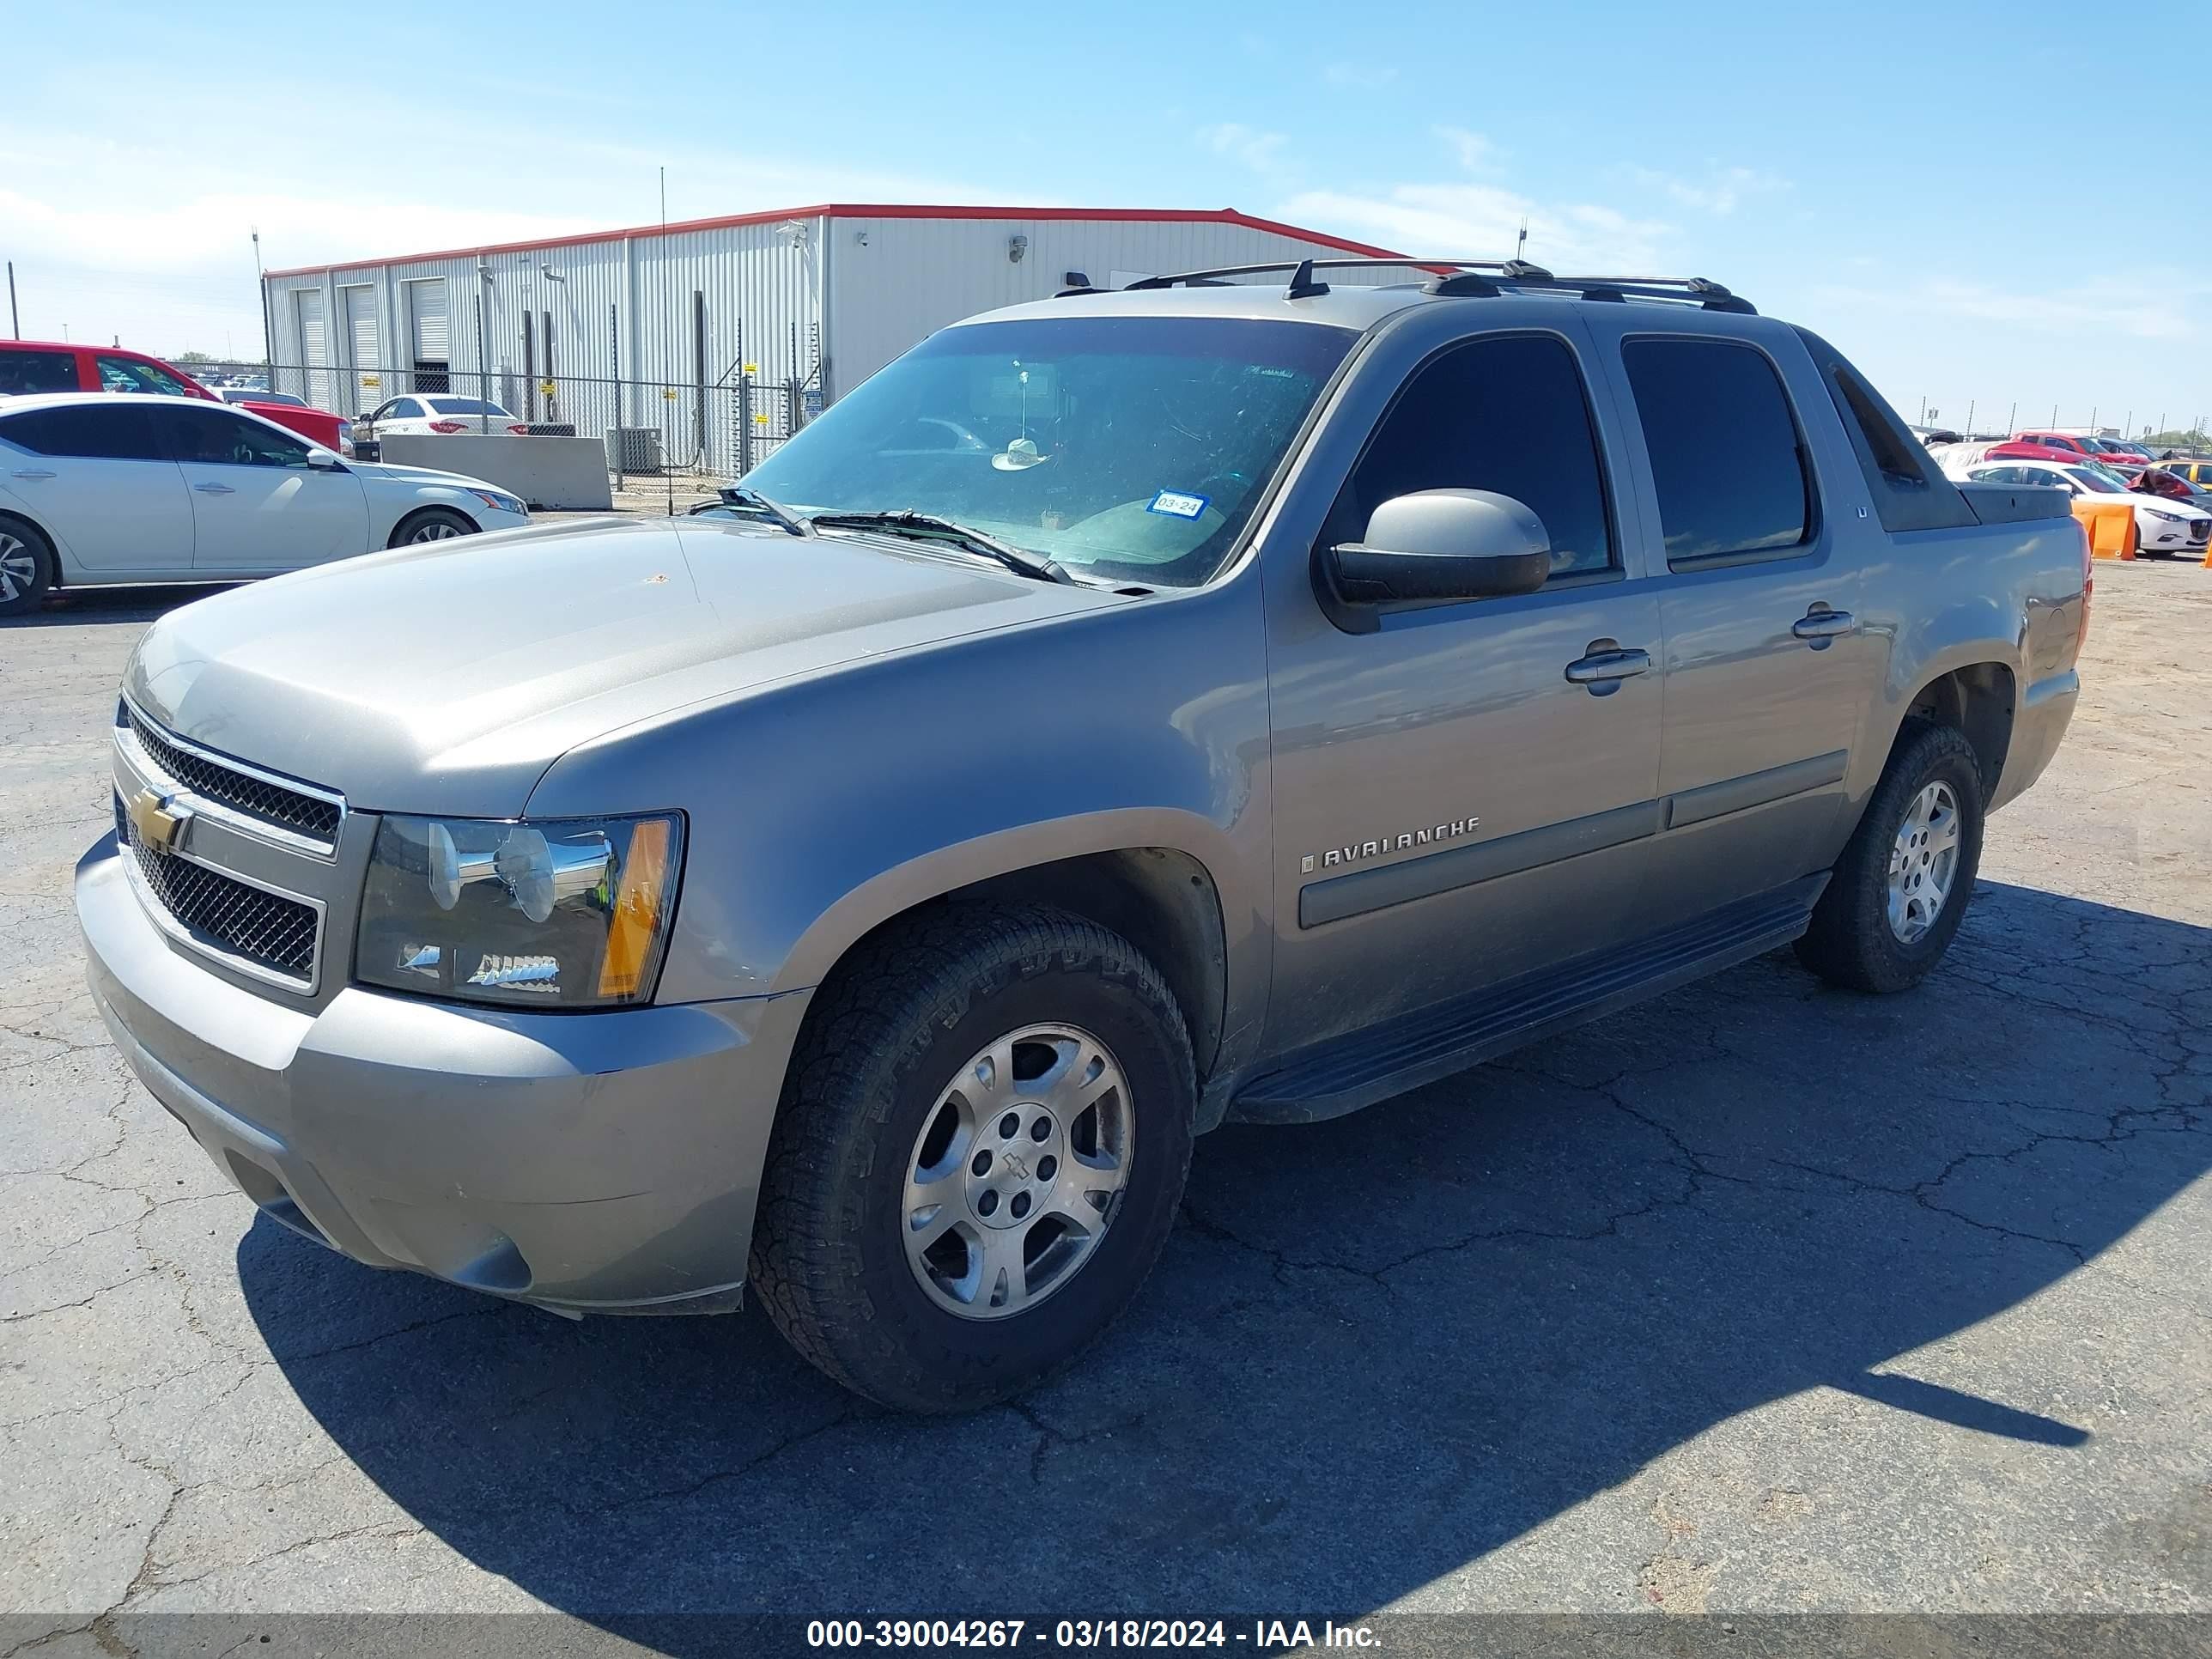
(420, 475)
(445, 678)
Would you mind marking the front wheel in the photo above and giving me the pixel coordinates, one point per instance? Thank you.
(978, 1155)
(1901, 890)
(432, 524)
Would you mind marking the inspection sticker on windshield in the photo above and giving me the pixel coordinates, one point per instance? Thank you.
(1177, 504)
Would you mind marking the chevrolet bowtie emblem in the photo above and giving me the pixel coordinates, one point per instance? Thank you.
(156, 820)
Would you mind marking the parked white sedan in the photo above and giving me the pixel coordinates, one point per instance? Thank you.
(2161, 525)
(131, 488)
(436, 414)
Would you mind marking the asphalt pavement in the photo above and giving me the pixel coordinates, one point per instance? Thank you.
(1761, 1299)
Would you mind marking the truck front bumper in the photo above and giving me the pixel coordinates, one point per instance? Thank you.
(596, 1163)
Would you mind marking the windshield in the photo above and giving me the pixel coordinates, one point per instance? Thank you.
(464, 406)
(2097, 479)
(1125, 447)
(238, 395)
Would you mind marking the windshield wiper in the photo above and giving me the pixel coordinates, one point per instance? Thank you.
(746, 496)
(928, 526)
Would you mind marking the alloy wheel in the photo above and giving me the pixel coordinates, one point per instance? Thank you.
(19, 567)
(1016, 1172)
(438, 530)
(1923, 862)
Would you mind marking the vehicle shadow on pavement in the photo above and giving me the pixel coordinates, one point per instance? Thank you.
(1383, 1347)
(79, 605)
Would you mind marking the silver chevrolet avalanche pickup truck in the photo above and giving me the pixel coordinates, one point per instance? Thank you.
(1225, 699)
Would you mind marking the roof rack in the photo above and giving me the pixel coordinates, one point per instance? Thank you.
(1472, 278)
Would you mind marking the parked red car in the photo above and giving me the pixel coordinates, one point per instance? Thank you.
(2119, 449)
(2048, 447)
(30, 366)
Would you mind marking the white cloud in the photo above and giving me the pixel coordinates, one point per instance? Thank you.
(1473, 152)
(2145, 307)
(1719, 190)
(149, 241)
(1472, 221)
(1262, 152)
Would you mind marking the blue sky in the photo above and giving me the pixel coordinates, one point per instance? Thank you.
(1849, 168)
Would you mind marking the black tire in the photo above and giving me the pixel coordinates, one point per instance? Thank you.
(418, 526)
(21, 541)
(886, 1036)
(1850, 943)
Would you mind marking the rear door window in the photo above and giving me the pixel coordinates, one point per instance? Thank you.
(93, 430)
(22, 372)
(1726, 458)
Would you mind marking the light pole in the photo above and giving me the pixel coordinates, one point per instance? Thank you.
(267, 329)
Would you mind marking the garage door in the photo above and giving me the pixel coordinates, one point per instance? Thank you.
(314, 346)
(428, 334)
(359, 304)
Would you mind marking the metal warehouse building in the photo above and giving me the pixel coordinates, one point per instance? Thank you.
(721, 336)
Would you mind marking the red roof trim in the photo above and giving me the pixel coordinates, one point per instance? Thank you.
(873, 210)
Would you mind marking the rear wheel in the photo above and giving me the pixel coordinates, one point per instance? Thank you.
(432, 524)
(1901, 890)
(27, 567)
(978, 1155)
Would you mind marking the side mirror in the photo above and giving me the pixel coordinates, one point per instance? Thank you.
(1441, 545)
(323, 460)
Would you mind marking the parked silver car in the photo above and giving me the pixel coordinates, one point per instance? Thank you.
(1124, 712)
(134, 488)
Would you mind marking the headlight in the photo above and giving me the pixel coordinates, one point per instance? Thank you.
(2163, 518)
(500, 503)
(552, 913)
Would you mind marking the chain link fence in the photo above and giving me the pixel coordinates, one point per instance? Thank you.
(700, 432)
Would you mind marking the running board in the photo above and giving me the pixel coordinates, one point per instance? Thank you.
(1328, 1079)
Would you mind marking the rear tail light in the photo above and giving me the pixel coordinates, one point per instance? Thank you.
(448, 426)
(520, 431)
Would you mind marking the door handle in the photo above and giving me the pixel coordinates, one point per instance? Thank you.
(1607, 665)
(32, 472)
(215, 489)
(1820, 625)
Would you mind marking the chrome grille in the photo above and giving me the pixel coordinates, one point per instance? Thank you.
(241, 791)
(273, 932)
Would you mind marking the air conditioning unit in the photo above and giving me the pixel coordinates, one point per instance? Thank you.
(633, 449)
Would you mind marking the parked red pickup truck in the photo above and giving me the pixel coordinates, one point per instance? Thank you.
(31, 366)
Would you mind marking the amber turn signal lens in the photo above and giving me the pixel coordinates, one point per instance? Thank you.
(637, 909)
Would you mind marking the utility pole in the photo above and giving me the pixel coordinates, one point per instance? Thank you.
(1970, 420)
(268, 330)
(14, 324)
(2012, 420)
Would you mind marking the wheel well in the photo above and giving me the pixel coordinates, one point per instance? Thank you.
(400, 531)
(1978, 702)
(53, 548)
(1162, 902)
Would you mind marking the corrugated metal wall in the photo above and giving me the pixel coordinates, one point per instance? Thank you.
(753, 287)
(701, 305)
(895, 282)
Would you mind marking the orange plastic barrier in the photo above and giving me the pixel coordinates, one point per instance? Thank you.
(2111, 527)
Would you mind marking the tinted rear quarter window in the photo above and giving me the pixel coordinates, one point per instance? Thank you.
(94, 429)
(25, 372)
(1725, 457)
